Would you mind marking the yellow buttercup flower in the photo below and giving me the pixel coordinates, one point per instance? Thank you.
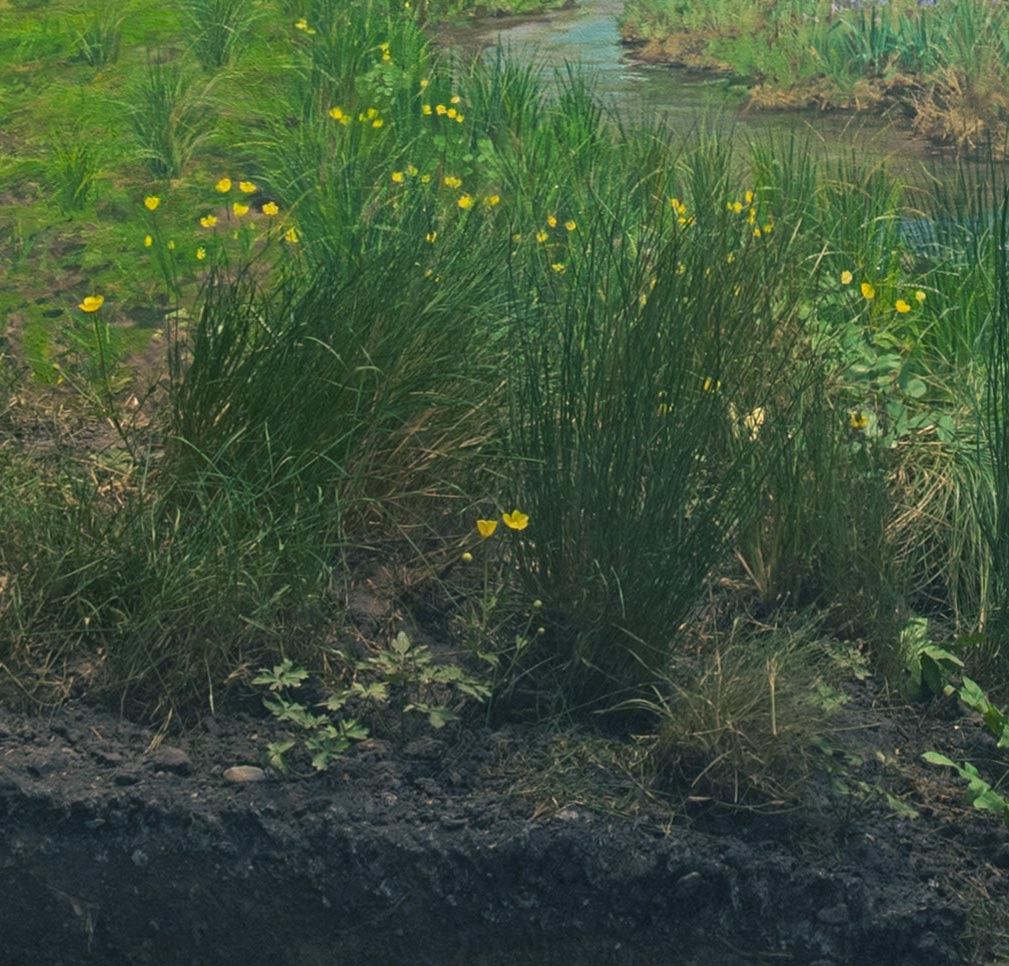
(291, 235)
(846, 278)
(542, 236)
(459, 118)
(426, 110)
(398, 177)
(571, 224)
(247, 186)
(201, 253)
(431, 236)
(902, 306)
(239, 209)
(271, 210)
(451, 113)
(493, 200)
(450, 181)
(377, 123)
(516, 520)
(148, 241)
(336, 113)
(456, 99)
(486, 527)
(224, 185)
(858, 420)
(171, 244)
(466, 202)
(208, 221)
(440, 109)
(92, 303)
(151, 202)
(552, 221)
(919, 296)
(559, 267)
(868, 292)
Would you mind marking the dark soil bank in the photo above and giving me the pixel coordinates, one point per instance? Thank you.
(420, 854)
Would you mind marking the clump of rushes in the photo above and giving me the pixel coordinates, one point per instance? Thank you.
(74, 168)
(218, 28)
(637, 407)
(170, 117)
(99, 38)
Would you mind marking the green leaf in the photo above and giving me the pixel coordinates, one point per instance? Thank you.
(971, 695)
(439, 717)
(275, 752)
(934, 758)
(336, 702)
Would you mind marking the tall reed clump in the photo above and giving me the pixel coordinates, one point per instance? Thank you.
(170, 118)
(218, 28)
(648, 375)
(99, 37)
(337, 382)
(74, 166)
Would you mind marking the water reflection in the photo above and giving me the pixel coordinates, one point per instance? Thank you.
(587, 36)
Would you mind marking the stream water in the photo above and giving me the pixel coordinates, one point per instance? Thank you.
(586, 36)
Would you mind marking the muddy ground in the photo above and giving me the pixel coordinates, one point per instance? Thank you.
(439, 850)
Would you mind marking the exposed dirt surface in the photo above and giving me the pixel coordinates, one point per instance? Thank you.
(427, 853)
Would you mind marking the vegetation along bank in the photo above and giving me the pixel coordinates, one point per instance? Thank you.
(943, 65)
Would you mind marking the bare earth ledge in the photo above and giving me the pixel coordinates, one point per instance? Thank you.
(109, 855)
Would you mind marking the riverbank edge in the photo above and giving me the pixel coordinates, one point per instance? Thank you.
(114, 854)
(915, 100)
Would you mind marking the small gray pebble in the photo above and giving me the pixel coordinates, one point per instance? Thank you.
(241, 774)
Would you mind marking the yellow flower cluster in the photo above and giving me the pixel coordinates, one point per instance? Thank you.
(570, 225)
(747, 207)
(516, 520)
(410, 171)
(370, 116)
(868, 290)
(683, 217)
(440, 110)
